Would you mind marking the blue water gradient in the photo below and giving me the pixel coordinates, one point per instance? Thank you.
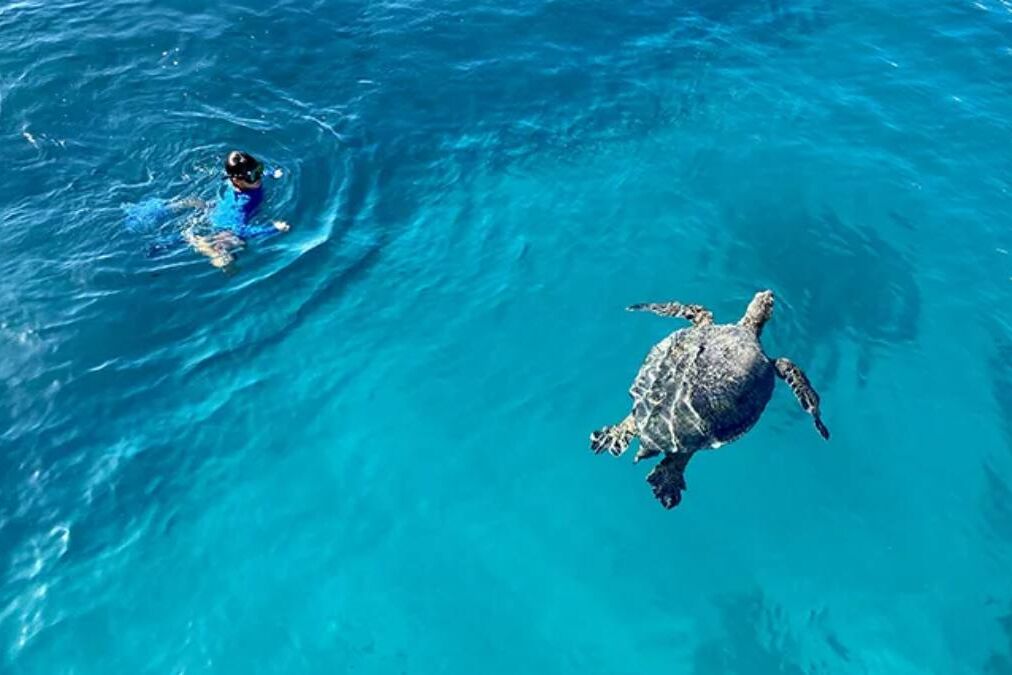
(366, 450)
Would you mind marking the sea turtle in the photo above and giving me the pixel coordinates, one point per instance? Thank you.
(701, 387)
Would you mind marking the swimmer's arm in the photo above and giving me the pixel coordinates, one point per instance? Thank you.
(260, 231)
(188, 203)
(198, 203)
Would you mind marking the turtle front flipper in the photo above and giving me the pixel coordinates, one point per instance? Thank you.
(697, 314)
(668, 480)
(615, 439)
(803, 390)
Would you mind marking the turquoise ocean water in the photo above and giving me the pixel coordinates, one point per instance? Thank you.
(366, 451)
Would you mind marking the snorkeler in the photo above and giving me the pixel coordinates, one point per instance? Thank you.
(231, 217)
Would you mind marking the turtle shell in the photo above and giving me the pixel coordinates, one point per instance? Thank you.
(701, 387)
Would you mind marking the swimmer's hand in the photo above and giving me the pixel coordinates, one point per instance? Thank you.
(281, 226)
(277, 173)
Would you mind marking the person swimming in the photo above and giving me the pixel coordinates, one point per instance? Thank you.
(232, 216)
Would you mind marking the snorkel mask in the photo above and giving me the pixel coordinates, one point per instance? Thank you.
(243, 166)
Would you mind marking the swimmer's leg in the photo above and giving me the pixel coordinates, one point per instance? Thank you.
(227, 240)
(215, 247)
(188, 203)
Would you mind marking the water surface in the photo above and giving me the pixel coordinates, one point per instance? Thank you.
(366, 451)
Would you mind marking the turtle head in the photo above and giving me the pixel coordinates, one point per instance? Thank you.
(758, 313)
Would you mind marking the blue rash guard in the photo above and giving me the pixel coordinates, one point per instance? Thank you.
(232, 213)
(235, 210)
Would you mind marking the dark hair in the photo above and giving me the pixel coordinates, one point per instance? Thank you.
(244, 166)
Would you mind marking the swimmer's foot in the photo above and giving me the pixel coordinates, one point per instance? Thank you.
(222, 260)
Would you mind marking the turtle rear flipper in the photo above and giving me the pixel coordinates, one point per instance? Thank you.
(803, 391)
(668, 479)
(615, 439)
